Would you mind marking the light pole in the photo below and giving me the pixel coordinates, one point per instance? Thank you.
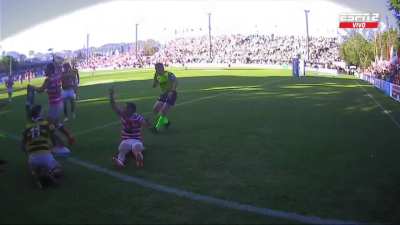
(87, 48)
(209, 34)
(136, 40)
(308, 38)
(10, 58)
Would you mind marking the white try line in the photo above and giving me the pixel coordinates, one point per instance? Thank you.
(117, 121)
(208, 199)
(379, 105)
(291, 216)
(79, 133)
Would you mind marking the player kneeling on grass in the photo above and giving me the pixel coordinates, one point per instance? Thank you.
(36, 142)
(167, 99)
(131, 133)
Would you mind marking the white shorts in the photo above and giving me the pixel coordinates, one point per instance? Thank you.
(42, 160)
(130, 145)
(55, 111)
(69, 94)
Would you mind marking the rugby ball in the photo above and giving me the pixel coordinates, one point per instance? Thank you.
(61, 151)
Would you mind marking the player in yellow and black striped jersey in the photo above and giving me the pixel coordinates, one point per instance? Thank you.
(37, 141)
(37, 136)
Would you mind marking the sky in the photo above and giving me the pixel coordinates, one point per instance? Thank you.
(114, 21)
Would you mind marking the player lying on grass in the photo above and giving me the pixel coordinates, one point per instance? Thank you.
(36, 143)
(131, 133)
(167, 99)
(69, 85)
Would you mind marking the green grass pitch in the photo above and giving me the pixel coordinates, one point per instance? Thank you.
(317, 146)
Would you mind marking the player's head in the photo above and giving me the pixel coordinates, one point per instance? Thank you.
(159, 68)
(130, 108)
(36, 111)
(50, 69)
(67, 67)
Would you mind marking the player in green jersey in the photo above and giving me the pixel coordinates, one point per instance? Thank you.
(168, 83)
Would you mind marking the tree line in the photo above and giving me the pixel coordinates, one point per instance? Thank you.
(361, 52)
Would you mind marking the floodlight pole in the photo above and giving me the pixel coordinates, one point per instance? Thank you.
(10, 64)
(136, 41)
(308, 37)
(87, 49)
(209, 34)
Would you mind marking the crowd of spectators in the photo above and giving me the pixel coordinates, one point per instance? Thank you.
(113, 61)
(248, 49)
(227, 49)
(385, 70)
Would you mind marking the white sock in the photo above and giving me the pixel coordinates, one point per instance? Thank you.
(121, 156)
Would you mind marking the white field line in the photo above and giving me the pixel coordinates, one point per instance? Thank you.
(209, 199)
(83, 132)
(379, 105)
(291, 216)
(79, 133)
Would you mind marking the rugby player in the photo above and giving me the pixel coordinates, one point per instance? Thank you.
(78, 79)
(9, 85)
(52, 85)
(168, 83)
(131, 133)
(36, 143)
(30, 99)
(69, 82)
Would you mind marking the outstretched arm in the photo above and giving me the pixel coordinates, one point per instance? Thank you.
(174, 81)
(114, 105)
(155, 82)
(174, 85)
(146, 123)
(43, 87)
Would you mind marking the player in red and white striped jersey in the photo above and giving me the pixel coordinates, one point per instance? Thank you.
(52, 85)
(131, 132)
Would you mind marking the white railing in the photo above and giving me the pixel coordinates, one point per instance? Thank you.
(390, 89)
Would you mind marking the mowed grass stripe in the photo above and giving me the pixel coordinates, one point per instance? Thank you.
(79, 133)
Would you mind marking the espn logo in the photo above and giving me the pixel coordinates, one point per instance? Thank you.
(359, 20)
